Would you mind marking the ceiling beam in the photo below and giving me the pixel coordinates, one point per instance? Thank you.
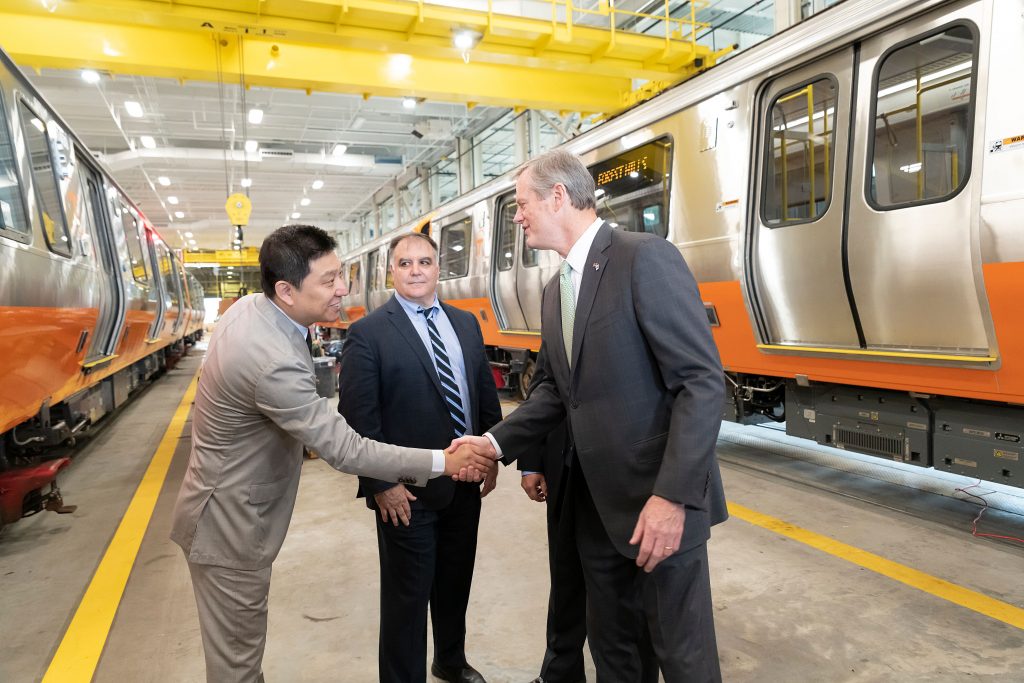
(352, 46)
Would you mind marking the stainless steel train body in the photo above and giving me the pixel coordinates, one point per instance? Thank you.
(92, 300)
(849, 195)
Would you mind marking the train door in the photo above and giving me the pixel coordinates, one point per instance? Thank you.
(111, 296)
(796, 267)
(507, 265)
(914, 260)
(158, 298)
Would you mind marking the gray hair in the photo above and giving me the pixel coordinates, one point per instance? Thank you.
(565, 168)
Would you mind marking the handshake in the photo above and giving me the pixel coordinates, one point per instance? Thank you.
(470, 458)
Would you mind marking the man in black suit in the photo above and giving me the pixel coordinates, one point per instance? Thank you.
(634, 372)
(414, 372)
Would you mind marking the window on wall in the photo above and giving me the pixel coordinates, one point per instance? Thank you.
(505, 250)
(12, 207)
(924, 99)
(51, 212)
(633, 188)
(801, 149)
(454, 249)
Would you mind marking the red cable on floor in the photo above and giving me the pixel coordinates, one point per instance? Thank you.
(974, 524)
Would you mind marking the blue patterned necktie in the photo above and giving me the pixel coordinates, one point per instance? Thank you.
(449, 387)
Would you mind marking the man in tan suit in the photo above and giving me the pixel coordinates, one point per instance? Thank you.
(255, 408)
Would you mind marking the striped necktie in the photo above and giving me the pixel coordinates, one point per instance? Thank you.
(449, 387)
(568, 302)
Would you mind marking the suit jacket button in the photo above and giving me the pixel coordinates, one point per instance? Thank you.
(575, 405)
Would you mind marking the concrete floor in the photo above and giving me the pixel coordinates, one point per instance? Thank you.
(784, 611)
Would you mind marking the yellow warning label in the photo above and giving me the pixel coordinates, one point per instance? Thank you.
(1003, 144)
(1006, 455)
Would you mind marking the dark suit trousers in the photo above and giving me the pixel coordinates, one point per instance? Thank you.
(640, 622)
(431, 560)
(567, 601)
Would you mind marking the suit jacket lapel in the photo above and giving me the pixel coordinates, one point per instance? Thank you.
(593, 271)
(399, 318)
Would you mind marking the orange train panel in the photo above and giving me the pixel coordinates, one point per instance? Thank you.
(38, 353)
(737, 345)
(484, 313)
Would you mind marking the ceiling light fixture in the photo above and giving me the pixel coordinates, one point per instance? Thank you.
(189, 235)
(164, 180)
(317, 184)
(409, 102)
(465, 39)
(255, 116)
(133, 108)
(304, 201)
(179, 214)
(339, 150)
(148, 142)
(251, 146)
(296, 214)
(246, 182)
(90, 76)
(172, 200)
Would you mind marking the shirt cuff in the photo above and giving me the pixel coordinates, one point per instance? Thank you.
(526, 472)
(494, 442)
(437, 469)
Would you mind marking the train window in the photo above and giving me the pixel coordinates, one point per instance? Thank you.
(800, 154)
(167, 273)
(634, 179)
(454, 249)
(371, 269)
(51, 212)
(389, 275)
(12, 206)
(355, 283)
(131, 233)
(924, 99)
(530, 256)
(505, 249)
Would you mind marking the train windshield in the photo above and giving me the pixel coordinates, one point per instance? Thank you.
(633, 189)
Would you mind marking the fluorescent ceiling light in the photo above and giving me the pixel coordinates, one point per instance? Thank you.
(133, 108)
(255, 116)
(465, 39)
(189, 235)
(148, 142)
(339, 149)
(246, 182)
(191, 241)
(164, 180)
(90, 76)
(296, 214)
(172, 200)
(409, 102)
(925, 79)
(317, 184)
(304, 201)
(251, 146)
(911, 168)
(179, 214)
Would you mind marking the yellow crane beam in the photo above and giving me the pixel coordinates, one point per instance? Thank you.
(372, 47)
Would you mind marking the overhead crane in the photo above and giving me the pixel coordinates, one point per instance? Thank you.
(553, 55)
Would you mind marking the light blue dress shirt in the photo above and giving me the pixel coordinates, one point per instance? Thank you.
(451, 345)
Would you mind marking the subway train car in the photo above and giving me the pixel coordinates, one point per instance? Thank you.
(849, 196)
(93, 302)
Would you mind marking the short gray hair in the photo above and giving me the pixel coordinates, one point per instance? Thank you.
(559, 166)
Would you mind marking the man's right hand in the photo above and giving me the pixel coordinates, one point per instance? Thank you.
(536, 486)
(469, 460)
(394, 503)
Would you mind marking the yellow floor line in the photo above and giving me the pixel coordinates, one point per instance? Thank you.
(959, 595)
(79, 651)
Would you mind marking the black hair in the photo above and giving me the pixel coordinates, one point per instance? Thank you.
(287, 253)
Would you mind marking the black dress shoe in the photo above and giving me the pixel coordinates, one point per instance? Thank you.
(466, 674)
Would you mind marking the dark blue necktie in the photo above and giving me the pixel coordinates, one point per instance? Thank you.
(449, 386)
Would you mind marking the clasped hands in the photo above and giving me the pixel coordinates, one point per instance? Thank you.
(470, 458)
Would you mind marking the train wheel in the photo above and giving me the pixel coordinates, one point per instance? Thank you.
(525, 378)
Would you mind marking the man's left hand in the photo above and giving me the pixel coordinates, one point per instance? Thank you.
(658, 531)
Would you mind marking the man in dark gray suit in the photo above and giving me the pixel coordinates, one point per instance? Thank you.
(635, 373)
(256, 406)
